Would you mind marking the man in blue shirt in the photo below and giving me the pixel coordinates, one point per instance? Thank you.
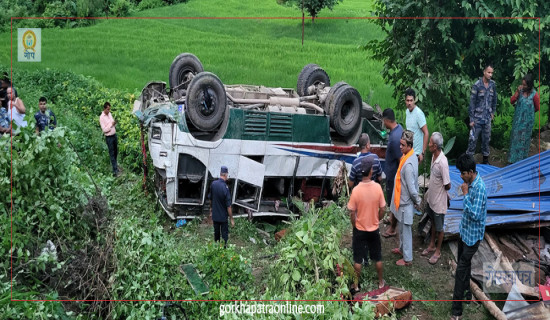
(483, 104)
(472, 228)
(220, 208)
(393, 154)
(355, 175)
(45, 119)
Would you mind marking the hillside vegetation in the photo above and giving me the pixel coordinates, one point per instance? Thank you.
(110, 239)
(126, 54)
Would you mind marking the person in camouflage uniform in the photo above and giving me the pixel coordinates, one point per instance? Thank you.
(483, 103)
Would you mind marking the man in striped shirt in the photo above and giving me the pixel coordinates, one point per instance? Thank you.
(472, 228)
(355, 175)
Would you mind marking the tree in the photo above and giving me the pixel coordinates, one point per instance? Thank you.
(440, 58)
(313, 7)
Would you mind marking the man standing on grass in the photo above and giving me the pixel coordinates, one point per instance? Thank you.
(393, 154)
(45, 118)
(416, 122)
(405, 198)
(220, 206)
(366, 206)
(108, 126)
(472, 229)
(355, 173)
(440, 182)
(483, 104)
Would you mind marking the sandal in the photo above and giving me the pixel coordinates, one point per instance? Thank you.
(434, 259)
(383, 284)
(427, 252)
(403, 263)
(387, 234)
(396, 251)
(354, 291)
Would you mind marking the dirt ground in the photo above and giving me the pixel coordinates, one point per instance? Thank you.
(425, 281)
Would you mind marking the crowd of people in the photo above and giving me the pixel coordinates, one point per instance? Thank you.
(405, 150)
(13, 117)
(13, 112)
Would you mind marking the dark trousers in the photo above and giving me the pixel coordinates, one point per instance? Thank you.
(112, 144)
(485, 131)
(222, 227)
(462, 276)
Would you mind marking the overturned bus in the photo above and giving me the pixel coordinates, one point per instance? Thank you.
(277, 143)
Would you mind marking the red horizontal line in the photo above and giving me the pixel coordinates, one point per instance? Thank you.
(253, 300)
(279, 18)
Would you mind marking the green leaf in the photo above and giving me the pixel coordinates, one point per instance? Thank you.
(285, 277)
(449, 145)
(296, 275)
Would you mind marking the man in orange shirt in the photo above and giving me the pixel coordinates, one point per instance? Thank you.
(366, 207)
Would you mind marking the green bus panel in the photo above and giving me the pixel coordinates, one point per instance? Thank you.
(311, 128)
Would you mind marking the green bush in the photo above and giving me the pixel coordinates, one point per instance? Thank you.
(120, 8)
(57, 9)
(227, 272)
(150, 4)
(310, 251)
(48, 192)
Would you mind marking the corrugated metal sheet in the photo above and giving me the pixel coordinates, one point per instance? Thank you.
(512, 191)
(505, 205)
(453, 217)
(520, 178)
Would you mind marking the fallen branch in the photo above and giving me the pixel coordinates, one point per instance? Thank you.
(490, 305)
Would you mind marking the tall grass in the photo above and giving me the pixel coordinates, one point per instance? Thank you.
(126, 54)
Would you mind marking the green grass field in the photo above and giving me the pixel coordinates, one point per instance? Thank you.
(126, 54)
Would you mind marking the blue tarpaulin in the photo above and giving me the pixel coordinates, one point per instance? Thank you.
(512, 192)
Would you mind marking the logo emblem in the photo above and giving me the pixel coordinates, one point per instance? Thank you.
(29, 44)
